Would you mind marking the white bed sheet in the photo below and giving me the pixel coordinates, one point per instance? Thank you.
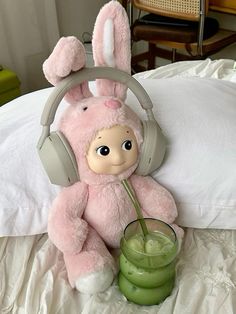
(223, 69)
(33, 279)
(33, 275)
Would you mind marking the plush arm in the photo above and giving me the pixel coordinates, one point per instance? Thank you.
(66, 229)
(154, 199)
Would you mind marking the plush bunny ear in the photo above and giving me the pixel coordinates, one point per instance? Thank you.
(111, 46)
(68, 56)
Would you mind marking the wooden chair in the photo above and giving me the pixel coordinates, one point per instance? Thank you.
(177, 25)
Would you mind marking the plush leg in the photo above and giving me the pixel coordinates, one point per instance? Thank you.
(93, 269)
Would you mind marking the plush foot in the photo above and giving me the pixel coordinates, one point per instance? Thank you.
(93, 269)
(95, 282)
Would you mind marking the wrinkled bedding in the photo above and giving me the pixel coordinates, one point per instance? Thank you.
(33, 277)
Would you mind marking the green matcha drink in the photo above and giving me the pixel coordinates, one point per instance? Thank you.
(147, 262)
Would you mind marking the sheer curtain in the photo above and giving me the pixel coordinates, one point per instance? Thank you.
(28, 32)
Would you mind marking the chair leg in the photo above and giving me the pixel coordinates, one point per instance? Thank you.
(173, 55)
(151, 56)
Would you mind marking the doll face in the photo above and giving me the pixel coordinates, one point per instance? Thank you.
(113, 150)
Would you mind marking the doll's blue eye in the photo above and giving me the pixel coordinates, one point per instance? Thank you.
(103, 150)
(127, 145)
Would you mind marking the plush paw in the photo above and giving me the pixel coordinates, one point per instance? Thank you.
(95, 282)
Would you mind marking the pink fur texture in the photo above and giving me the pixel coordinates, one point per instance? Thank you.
(90, 216)
(121, 46)
(80, 127)
(67, 56)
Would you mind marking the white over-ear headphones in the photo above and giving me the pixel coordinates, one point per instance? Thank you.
(55, 151)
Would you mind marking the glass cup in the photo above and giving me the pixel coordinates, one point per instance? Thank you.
(147, 263)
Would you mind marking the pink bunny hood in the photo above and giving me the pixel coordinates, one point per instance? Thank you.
(80, 124)
(87, 114)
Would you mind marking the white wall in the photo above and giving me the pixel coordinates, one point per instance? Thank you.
(77, 16)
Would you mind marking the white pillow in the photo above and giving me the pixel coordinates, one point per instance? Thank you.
(26, 192)
(198, 118)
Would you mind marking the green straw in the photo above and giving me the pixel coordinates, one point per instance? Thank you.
(136, 204)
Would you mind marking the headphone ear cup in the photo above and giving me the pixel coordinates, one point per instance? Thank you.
(58, 160)
(153, 148)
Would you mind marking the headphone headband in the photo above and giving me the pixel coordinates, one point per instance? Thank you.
(54, 149)
(89, 74)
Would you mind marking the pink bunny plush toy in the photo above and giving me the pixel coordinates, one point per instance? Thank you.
(88, 217)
